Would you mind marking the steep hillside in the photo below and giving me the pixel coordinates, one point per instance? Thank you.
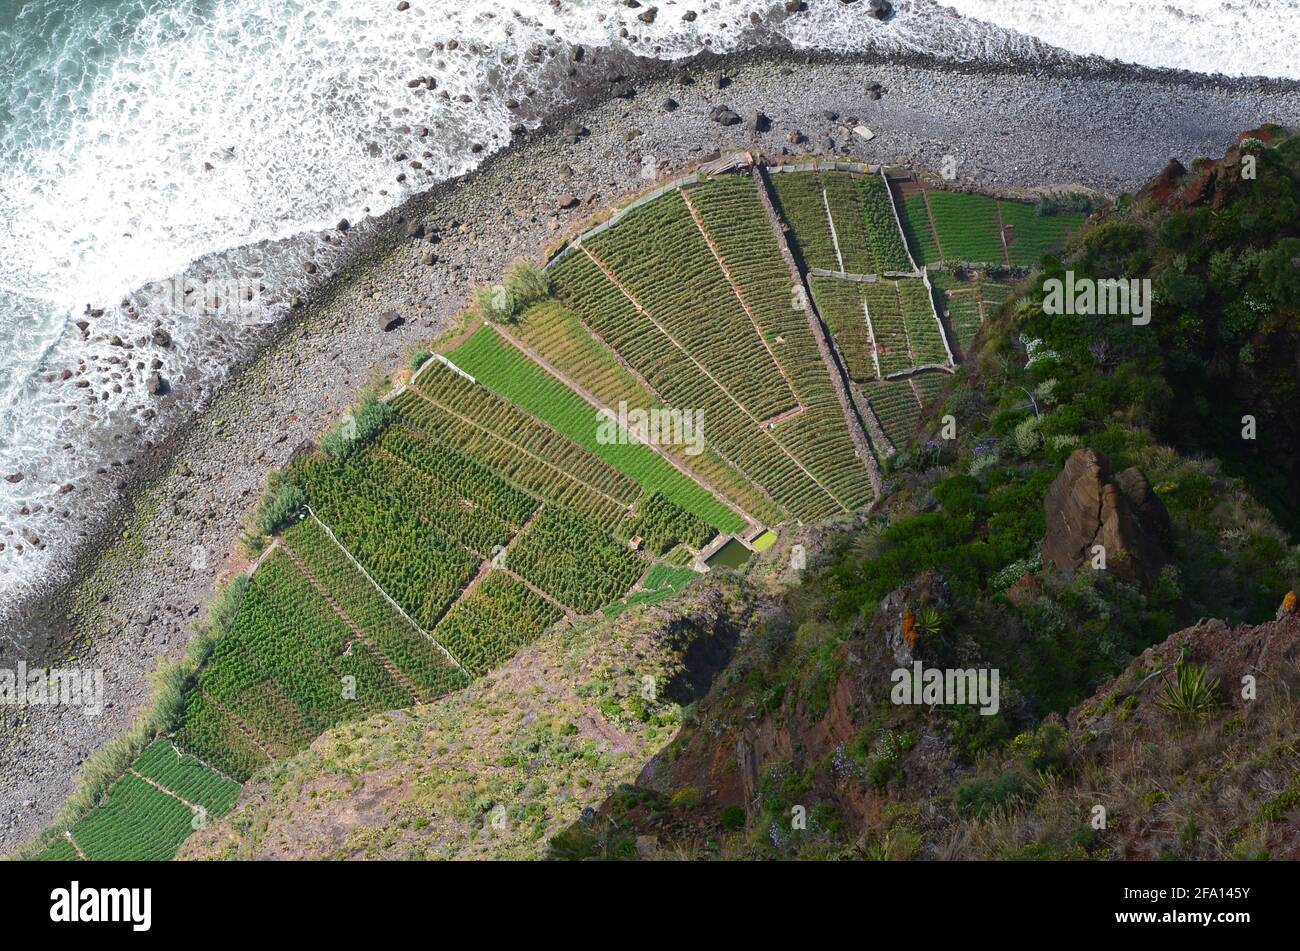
(495, 770)
(1150, 767)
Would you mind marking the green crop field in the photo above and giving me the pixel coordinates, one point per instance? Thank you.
(798, 197)
(888, 252)
(840, 304)
(187, 778)
(210, 732)
(844, 201)
(697, 309)
(410, 650)
(915, 215)
(860, 236)
(164, 796)
(733, 213)
(488, 625)
(136, 822)
(961, 300)
(412, 558)
(930, 386)
(1032, 235)
(885, 312)
(505, 370)
(560, 338)
(734, 433)
(573, 560)
(896, 406)
(968, 227)
(924, 332)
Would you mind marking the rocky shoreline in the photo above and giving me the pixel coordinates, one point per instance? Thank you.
(145, 580)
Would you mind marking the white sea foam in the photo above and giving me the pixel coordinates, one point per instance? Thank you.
(1235, 37)
(142, 138)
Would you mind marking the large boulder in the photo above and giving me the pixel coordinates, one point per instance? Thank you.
(1088, 505)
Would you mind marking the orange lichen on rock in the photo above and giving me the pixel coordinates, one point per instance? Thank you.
(910, 630)
(1289, 603)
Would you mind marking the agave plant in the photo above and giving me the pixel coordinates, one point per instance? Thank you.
(1191, 694)
(930, 620)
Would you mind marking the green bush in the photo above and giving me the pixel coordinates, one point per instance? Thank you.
(733, 818)
(525, 283)
(279, 504)
(356, 428)
(418, 359)
(981, 797)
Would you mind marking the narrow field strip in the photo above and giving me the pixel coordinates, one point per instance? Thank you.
(352, 625)
(387, 598)
(518, 448)
(744, 304)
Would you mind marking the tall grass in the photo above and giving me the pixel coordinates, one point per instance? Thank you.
(525, 284)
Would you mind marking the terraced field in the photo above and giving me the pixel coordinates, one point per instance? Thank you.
(158, 802)
(855, 232)
(492, 497)
(1031, 235)
(841, 306)
(967, 299)
(953, 228)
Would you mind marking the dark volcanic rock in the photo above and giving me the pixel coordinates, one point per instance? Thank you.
(723, 115)
(1088, 506)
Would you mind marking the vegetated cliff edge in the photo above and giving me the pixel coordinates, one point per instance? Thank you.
(495, 770)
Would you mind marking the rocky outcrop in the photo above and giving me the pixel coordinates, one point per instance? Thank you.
(1088, 505)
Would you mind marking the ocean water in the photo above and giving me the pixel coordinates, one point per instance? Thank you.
(158, 157)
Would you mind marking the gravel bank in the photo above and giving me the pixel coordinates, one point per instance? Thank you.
(146, 584)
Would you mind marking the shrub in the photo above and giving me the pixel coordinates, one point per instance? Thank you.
(226, 605)
(280, 503)
(525, 283)
(1190, 695)
(418, 358)
(1047, 748)
(981, 797)
(356, 428)
(688, 797)
(733, 818)
(1027, 437)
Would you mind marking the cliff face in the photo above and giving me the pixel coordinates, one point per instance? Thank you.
(1144, 769)
(1221, 245)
